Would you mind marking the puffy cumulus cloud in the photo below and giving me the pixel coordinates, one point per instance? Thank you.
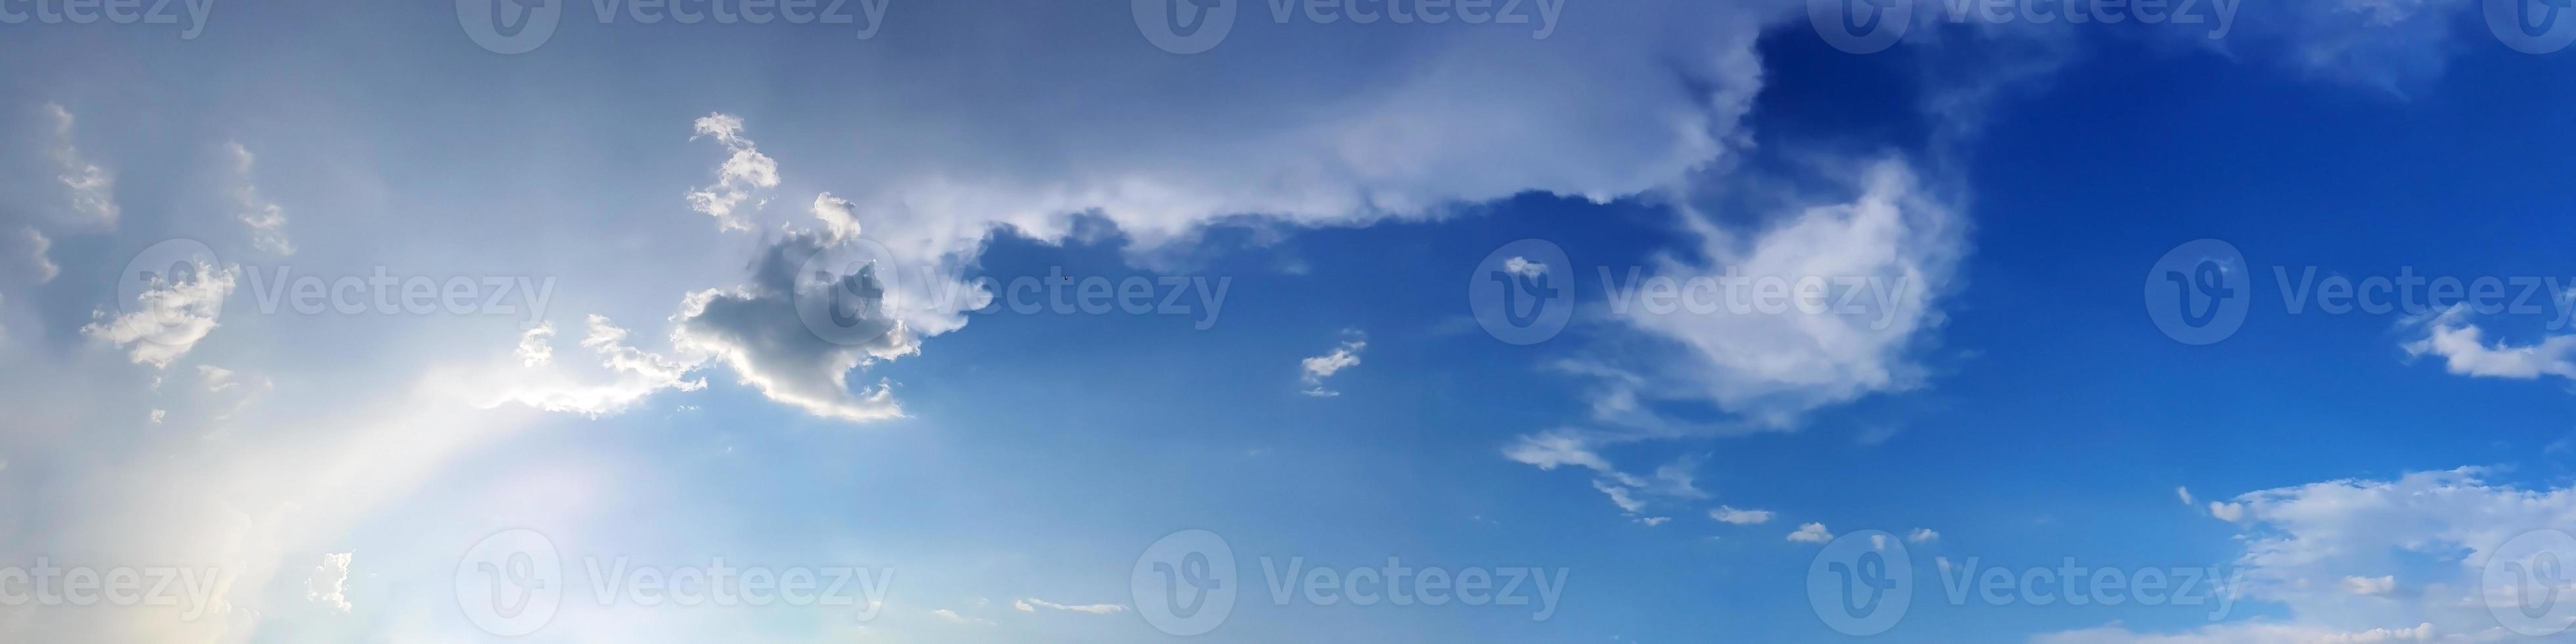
(812, 313)
(92, 190)
(1317, 368)
(1875, 266)
(744, 171)
(1031, 605)
(266, 220)
(636, 374)
(2332, 556)
(1728, 514)
(329, 585)
(169, 317)
(1811, 533)
(2464, 350)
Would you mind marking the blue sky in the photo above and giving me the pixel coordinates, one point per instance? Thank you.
(652, 227)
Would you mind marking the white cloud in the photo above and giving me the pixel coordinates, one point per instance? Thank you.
(759, 331)
(1811, 533)
(2465, 351)
(952, 617)
(1740, 517)
(35, 245)
(93, 191)
(1923, 535)
(2380, 585)
(169, 317)
(536, 345)
(266, 220)
(1030, 605)
(2229, 512)
(1892, 249)
(159, 415)
(635, 375)
(329, 585)
(1324, 366)
(744, 171)
(1523, 267)
(1653, 521)
(2324, 553)
(2185, 493)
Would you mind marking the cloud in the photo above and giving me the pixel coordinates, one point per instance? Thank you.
(266, 220)
(1883, 259)
(93, 191)
(2325, 553)
(169, 317)
(1030, 605)
(2464, 350)
(2229, 512)
(760, 333)
(1324, 366)
(536, 345)
(329, 585)
(1811, 533)
(635, 374)
(2185, 493)
(952, 617)
(744, 171)
(1923, 535)
(35, 245)
(1731, 515)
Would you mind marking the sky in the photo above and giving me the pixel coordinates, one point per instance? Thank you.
(2062, 322)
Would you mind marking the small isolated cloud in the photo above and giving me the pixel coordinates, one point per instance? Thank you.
(1032, 604)
(1324, 366)
(536, 346)
(1550, 450)
(1923, 535)
(1523, 267)
(2185, 493)
(758, 331)
(2370, 586)
(1740, 517)
(93, 191)
(1653, 521)
(2465, 351)
(1811, 533)
(266, 220)
(169, 317)
(744, 171)
(159, 415)
(329, 585)
(952, 617)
